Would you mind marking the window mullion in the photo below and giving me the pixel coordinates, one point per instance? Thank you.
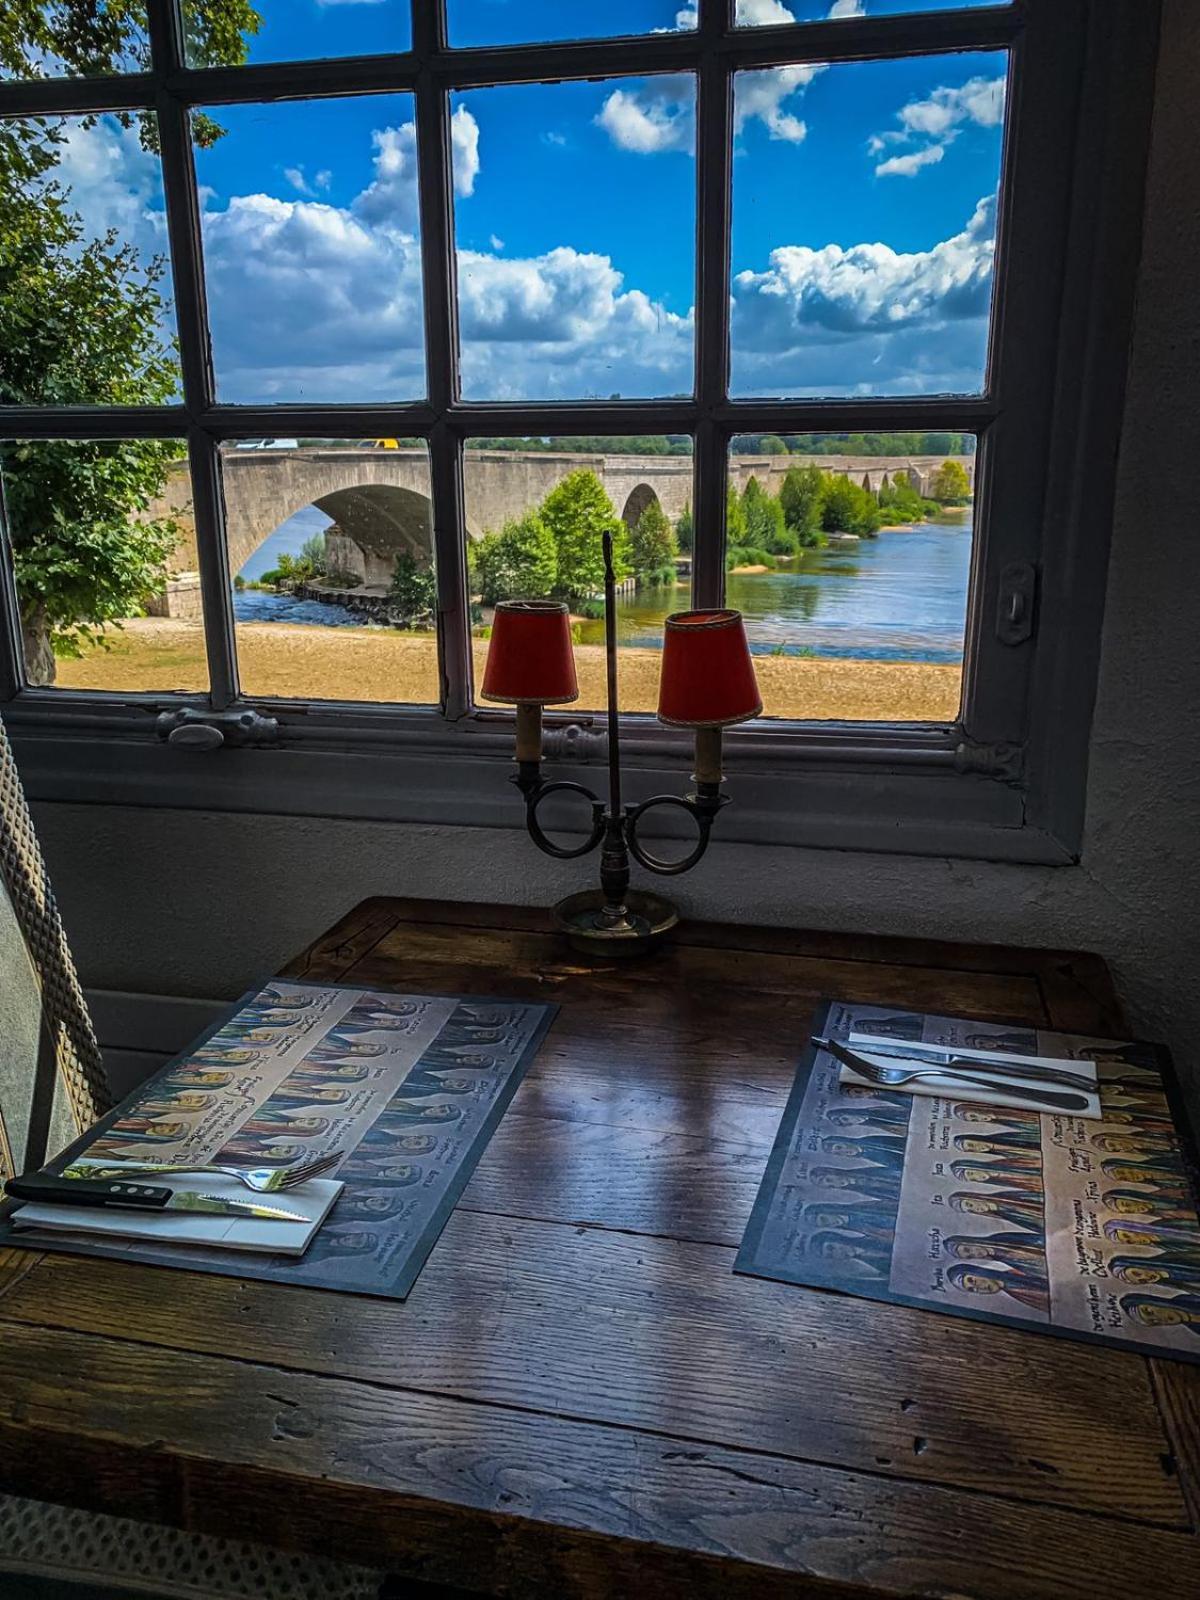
(195, 359)
(714, 160)
(435, 179)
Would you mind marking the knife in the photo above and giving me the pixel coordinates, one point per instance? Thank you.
(934, 1056)
(48, 1188)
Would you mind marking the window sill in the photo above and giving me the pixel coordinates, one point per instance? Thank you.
(917, 791)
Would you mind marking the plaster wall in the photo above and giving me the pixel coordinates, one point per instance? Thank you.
(196, 904)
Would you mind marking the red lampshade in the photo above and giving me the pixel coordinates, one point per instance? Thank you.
(707, 674)
(530, 660)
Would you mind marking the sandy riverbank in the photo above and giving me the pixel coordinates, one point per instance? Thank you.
(282, 659)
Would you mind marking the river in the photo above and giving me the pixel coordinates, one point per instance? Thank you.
(900, 597)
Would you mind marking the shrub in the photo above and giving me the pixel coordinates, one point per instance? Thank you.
(518, 563)
(413, 593)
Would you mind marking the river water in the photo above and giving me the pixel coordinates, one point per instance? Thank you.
(900, 597)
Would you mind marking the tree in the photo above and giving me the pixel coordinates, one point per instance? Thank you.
(950, 486)
(577, 511)
(313, 552)
(413, 595)
(735, 517)
(765, 526)
(653, 544)
(849, 508)
(518, 563)
(685, 532)
(81, 323)
(773, 445)
(801, 498)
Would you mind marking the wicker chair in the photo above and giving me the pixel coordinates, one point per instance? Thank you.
(52, 1086)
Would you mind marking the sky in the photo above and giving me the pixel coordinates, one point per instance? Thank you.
(863, 229)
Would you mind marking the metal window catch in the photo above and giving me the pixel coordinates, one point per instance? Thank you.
(210, 730)
(1014, 605)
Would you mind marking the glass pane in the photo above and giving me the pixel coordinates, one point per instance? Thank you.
(535, 21)
(536, 513)
(575, 224)
(850, 557)
(311, 251)
(770, 13)
(56, 40)
(331, 547)
(85, 295)
(864, 222)
(296, 30)
(105, 555)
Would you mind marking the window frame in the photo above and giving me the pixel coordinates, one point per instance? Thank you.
(1005, 781)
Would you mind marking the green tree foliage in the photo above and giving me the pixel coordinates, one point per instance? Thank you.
(577, 511)
(900, 502)
(772, 445)
(518, 563)
(849, 508)
(801, 498)
(621, 444)
(766, 528)
(313, 551)
(951, 486)
(685, 532)
(413, 594)
(735, 518)
(80, 323)
(653, 545)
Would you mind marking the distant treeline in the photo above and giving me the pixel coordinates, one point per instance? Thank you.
(746, 444)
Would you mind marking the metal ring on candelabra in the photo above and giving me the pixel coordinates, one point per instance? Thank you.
(667, 869)
(544, 843)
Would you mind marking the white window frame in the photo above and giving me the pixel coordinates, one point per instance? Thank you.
(1005, 781)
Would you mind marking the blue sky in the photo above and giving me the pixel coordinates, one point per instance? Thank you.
(863, 219)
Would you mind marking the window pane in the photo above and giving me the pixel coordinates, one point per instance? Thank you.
(311, 251)
(850, 557)
(54, 41)
(575, 223)
(864, 222)
(330, 544)
(532, 21)
(770, 13)
(299, 30)
(85, 295)
(105, 556)
(536, 513)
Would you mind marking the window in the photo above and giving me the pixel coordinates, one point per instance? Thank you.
(332, 309)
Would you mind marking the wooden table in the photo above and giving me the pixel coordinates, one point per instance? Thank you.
(578, 1397)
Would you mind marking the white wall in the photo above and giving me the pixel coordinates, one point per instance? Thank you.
(196, 904)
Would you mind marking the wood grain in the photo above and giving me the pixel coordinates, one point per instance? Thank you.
(523, 1503)
(579, 1397)
(653, 1333)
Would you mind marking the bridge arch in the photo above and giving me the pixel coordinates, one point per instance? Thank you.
(640, 497)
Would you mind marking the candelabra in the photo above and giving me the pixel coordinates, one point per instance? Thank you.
(707, 683)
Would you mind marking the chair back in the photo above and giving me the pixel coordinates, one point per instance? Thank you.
(52, 1080)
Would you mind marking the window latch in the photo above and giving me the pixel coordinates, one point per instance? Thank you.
(190, 729)
(1014, 607)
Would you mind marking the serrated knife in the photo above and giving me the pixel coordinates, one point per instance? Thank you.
(51, 1190)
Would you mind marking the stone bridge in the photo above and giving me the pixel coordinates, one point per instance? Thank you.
(380, 498)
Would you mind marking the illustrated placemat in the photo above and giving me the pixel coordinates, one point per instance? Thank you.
(411, 1087)
(1080, 1228)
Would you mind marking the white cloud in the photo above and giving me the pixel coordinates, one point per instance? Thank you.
(551, 136)
(496, 244)
(935, 122)
(392, 196)
(828, 319)
(761, 13)
(848, 8)
(659, 117)
(908, 166)
(687, 17)
(321, 302)
(320, 182)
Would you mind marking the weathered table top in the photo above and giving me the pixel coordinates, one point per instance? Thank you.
(578, 1397)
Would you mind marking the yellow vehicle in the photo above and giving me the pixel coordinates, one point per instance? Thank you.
(385, 444)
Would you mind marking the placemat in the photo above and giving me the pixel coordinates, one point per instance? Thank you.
(1053, 1222)
(410, 1087)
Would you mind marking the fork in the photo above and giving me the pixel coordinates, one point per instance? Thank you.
(262, 1180)
(895, 1077)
